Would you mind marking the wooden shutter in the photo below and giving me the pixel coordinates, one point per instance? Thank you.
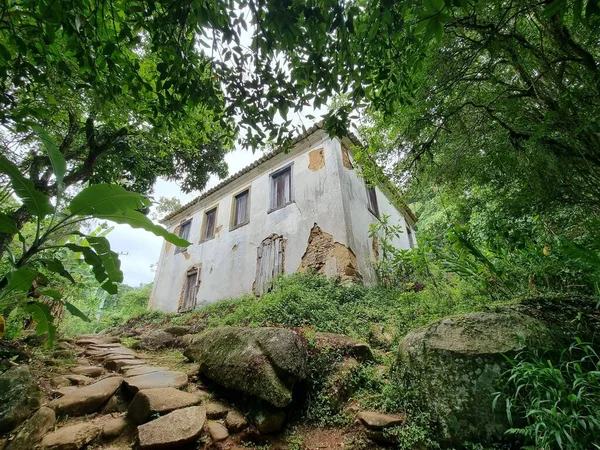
(241, 208)
(269, 263)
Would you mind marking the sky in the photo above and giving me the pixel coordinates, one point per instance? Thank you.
(139, 250)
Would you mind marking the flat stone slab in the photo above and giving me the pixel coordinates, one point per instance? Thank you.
(143, 370)
(79, 380)
(118, 364)
(177, 428)
(88, 371)
(71, 437)
(161, 379)
(159, 401)
(33, 430)
(115, 428)
(374, 420)
(87, 399)
(217, 431)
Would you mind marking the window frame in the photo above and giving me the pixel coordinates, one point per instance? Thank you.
(272, 176)
(232, 224)
(373, 209)
(190, 272)
(186, 222)
(203, 237)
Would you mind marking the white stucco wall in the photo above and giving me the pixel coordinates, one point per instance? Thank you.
(228, 262)
(333, 197)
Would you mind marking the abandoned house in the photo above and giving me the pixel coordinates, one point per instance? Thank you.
(285, 213)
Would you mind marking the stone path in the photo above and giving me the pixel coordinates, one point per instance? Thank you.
(120, 401)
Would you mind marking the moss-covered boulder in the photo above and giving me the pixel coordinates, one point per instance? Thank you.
(19, 396)
(264, 362)
(453, 367)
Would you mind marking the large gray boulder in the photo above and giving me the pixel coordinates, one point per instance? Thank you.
(453, 368)
(19, 396)
(264, 362)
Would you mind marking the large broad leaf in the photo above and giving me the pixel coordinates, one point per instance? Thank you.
(98, 269)
(76, 311)
(59, 165)
(2, 327)
(7, 224)
(54, 265)
(43, 317)
(110, 259)
(101, 199)
(36, 203)
(21, 279)
(136, 219)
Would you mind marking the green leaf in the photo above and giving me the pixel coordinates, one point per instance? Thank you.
(21, 279)
(43, 317)
(7, 224)
(101, 199)
(59, 164)
(36, 203)
(98, 269)
(54, 265)
(136, 219)
(76, 311)
(50, 293)
(110, 259)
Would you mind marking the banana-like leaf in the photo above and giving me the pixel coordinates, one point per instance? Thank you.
(43, 317)
(50, 293)
(54, 265)
(59, 164)
(110, 259)
(76, 311)
(7, 224)
(36, 203)
(136, 219)
(91, 258)
(102, 199)
(21, 279)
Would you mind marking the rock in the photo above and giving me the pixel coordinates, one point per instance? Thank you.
(87, 399)
(454, 367)
(264, 362)
(118, 356)
(216, 410)
(115, 404)
(235, 421)
(374, 420)
(142, 370)
(159, 401)
(19, 396)
(217, 431)
(63, 354)
(268, 420)
(114, 428)
(155, 340)
(71, 437)
(33, 430)
(340, 384)
(344, 346)
(120, 364)
(59, 382)
(177, 428)
(79, 380)
(177, 330)
(379, 337)
(89, 371)
(160, 379)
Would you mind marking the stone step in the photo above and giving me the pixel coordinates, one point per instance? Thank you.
(177, 428)
(87, 399)
(160, 379)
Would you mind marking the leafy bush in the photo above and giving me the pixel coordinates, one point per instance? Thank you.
(556, 399)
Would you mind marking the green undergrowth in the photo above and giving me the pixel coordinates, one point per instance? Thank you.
(324, 304)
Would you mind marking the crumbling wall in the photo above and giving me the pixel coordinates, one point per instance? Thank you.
(324, 255)
(346, 158)
(316, 159)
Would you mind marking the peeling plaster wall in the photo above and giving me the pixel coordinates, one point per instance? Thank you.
(229, 259)
(358, 218)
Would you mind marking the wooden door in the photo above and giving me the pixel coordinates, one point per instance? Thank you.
(192, 282)
(269, 263)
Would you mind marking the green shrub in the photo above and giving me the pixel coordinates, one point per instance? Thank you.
(557, 399)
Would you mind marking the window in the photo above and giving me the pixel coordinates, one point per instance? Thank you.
(241, 210)
(208, 229)
(281, 188)
(190, 290)
(184, 233)
(372, 201)
(411, 238)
